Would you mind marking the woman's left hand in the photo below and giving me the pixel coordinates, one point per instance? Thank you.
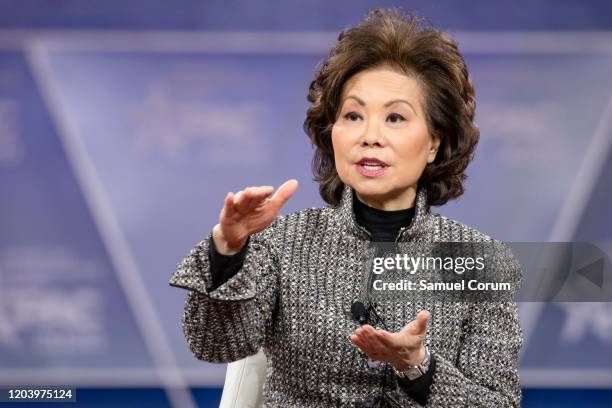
(402, 349)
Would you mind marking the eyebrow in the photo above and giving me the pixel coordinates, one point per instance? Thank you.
(391, 102)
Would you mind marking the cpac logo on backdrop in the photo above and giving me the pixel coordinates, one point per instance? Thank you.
(50, 321)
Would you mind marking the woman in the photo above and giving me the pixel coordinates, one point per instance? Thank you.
(392, 122)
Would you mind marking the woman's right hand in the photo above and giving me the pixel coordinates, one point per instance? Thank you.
(248, 212)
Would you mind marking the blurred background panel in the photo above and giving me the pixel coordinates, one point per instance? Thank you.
(123, 126)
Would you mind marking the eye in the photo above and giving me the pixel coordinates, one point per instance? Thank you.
(352, 116)
(395, 118)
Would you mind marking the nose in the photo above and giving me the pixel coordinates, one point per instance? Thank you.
(371, 135)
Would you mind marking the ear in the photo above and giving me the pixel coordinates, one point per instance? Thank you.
(435, 144)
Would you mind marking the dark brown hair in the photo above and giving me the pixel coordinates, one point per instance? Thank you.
(417, 49)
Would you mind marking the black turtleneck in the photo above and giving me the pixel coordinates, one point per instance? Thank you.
(383, 227)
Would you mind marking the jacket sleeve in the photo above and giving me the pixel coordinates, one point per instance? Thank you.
(223, 267)
(420, 388)
(229, 322)
(485, 371)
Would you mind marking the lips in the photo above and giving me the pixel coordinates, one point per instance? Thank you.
(372, 162)
(371, 167)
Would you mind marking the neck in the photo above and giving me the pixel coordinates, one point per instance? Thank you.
(401, 201)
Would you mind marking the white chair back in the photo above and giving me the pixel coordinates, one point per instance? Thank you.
(244, 381)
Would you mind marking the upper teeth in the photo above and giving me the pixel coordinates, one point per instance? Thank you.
(372, 164)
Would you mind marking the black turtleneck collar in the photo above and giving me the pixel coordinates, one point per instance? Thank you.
(383, 225)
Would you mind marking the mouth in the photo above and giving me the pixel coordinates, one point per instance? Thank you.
(371, 167)
(372, 163)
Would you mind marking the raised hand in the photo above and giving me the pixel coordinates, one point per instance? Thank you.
(248, 212)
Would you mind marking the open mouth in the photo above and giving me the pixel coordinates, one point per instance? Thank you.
(371, 167)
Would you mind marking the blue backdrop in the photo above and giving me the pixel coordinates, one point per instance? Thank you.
(123, 125)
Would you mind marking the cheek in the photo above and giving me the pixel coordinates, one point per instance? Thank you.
(339, 143)
(415, 147)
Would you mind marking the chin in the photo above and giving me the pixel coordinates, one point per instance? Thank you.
(368, 189)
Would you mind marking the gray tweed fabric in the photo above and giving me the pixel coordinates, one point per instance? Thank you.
(292, 297)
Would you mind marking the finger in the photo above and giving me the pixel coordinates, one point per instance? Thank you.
(420, 322)
(284, 192)
(388, 339)
(361, 331)
(357, 342)
(372, 351)
(364, 337)
(241, 200)
(363, 346)
(364, 328)
(253, 196)
(371, 338)
(263, 189)
(359, 336)
(417, 327)
(259, 194)
(228, 205)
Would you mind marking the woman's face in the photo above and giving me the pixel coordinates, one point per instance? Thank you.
(381, 116)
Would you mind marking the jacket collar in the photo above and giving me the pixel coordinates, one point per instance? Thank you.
(420, 226)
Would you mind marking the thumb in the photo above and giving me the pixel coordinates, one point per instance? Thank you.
(284, 192)
(419, 325)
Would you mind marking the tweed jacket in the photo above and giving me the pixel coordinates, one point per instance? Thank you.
(291, 296)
